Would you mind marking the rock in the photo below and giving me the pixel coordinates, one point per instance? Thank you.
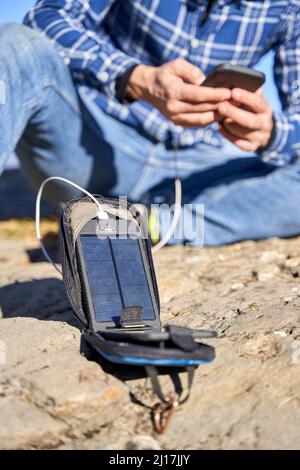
(267, 272)
(282, 334)
(53, 397)
(24, 425)
(287, 300)
(175, 311)
(293, 266)
(173, 284)
(53, 385)
(261, 346)
(292, 262)
(237, 286)
(142, 443)
(272, 257)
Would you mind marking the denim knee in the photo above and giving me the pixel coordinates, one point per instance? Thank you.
(27, 50)
(30, 61)
(16, 38)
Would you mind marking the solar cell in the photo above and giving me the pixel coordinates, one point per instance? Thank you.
(116, 276)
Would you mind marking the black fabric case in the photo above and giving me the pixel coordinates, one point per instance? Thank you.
(181, 346)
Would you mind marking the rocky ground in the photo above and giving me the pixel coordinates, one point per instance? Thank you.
(54, 396)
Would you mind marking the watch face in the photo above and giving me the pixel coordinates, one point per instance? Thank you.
(116, 277)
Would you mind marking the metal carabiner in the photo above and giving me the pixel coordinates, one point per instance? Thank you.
(162, 414)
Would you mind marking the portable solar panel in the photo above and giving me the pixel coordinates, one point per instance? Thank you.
(115, 277)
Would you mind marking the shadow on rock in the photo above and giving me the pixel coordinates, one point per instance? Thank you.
(36, 255)
(44, 299)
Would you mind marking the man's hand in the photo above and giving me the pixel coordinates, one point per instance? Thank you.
(174, 88)
(250, 128)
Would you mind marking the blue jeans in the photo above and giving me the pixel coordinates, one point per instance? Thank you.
(53, 132)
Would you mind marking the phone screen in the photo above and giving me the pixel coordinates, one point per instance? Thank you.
(116, 276)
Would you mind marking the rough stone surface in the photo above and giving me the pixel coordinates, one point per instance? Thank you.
(53, 394)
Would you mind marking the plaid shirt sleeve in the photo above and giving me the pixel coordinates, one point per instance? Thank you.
(285, 143)
(75, 27)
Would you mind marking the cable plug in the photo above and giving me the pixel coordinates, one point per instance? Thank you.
(101, 214)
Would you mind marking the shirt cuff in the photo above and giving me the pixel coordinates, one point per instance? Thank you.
(278, 139)
(121, 86)
(112, 68)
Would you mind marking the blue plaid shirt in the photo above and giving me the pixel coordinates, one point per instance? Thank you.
(101, 39)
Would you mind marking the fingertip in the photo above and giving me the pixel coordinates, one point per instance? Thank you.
(198, 72)
(223, 108)
(222, 94)
(200, 79)
(236, 93)
(228, 94)
(198, 76)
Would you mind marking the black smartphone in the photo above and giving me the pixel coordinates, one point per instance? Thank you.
(115, 275)
(234, 76)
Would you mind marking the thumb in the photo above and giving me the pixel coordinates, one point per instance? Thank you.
(188, 71)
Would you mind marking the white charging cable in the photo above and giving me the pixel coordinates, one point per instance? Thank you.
(101, 214)
(177, 205)
(175, 220)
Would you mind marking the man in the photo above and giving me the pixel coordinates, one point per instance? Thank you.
(108, 94)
